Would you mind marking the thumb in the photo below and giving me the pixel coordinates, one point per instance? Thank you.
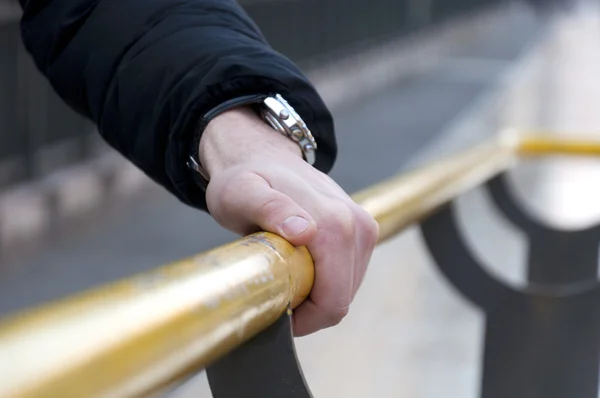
(254, 203)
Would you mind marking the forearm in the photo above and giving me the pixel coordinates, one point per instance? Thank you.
(239, 136)
(146, 70)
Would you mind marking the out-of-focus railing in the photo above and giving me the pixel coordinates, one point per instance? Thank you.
(139, 335)
(39, 133)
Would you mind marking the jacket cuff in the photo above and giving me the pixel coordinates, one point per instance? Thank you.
(305, 101)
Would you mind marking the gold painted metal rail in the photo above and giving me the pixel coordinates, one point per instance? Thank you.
(141, 334)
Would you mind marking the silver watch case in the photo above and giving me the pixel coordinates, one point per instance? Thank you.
(282, 117)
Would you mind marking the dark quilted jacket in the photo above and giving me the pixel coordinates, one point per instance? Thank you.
(145, 70)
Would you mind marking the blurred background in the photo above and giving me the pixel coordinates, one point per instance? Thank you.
(40, 134)
(408, 81)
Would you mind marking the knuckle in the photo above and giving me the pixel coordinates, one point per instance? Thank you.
(270, 207)
(336, 315)
(368, 225)
(340, 221)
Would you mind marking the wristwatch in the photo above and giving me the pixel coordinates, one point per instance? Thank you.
(275, 111)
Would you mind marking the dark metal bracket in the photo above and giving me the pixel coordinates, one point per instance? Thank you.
(264, 367)
(542, 341)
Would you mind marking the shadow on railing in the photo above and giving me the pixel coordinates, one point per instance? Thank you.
(229, 309)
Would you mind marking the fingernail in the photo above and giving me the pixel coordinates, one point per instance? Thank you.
(294, 226)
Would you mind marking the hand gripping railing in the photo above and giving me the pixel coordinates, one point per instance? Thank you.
(142, 334)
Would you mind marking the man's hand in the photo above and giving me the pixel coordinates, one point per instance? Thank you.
(259, 181)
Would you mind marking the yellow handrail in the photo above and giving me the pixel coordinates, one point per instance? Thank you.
(544, 144)
(141, 334)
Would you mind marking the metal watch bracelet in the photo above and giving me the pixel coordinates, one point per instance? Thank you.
(274, 110)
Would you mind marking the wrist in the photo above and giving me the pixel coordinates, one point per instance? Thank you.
(239, 135)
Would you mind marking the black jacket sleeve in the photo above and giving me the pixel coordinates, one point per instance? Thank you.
(146, 70)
